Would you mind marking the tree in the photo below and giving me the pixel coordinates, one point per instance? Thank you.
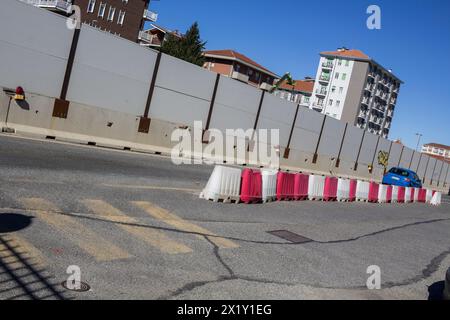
(189, 48)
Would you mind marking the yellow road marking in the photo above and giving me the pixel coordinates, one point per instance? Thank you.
(152, 188)
(155, 238)
(96, 246)
(177, 222)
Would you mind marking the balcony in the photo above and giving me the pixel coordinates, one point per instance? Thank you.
(327, 65)
(240, 76)
(392, 101)
(387, 125)
(368, 87)
(265, 86)
(362, 114)
(365, 100)
(317, 106)
(53, 5)
(324, 78)
(150, 15)
(321, 92)
(145, 36)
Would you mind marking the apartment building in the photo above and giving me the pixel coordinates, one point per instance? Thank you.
(352, 87)
(125, 18)
(438, 150)
(240, 67)
(300, 93)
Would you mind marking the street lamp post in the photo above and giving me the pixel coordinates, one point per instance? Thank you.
(419, 136)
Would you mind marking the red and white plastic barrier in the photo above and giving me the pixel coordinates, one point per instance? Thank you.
(352, 190)
(394, 198)
(251, 186)
(330, 189)
(343, 190)
(401, 195)
(436, 199)
(422, 195)
(408, 194)
(316, 185)
(428, 195)
(269, 185)
(224, 184)
(362, 190)
(301, 182)
(285, 186)
(389, 194)
(383, 193)
(373, 191)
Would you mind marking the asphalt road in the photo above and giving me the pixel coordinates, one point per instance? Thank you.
(134, 225)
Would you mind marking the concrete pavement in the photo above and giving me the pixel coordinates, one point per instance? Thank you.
(134, 225)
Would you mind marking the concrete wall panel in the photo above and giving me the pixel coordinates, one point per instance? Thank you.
(415, 161)
(34, 49)
(306, 130)
(351, 143)
(331, 137)
(407, 155)
(394, 156)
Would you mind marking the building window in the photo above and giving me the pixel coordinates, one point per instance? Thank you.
(121, 17)
(344, 76)
(337, 75)
(339, 62)
(91, 6)
(101, 9)
(333, 89)
(347, 63)
(330, 103)
(338, 103)
(341, 89)
(111, 13)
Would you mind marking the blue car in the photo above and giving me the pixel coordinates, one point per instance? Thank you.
(402, 177)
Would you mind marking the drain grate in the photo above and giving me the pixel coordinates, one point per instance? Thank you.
(289, 236)
(83, 287)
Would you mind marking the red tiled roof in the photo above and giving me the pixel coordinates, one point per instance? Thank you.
(300, 85)
(238, 56)
(437, 145)
(351, 53)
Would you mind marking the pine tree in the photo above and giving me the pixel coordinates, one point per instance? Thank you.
(189, 48)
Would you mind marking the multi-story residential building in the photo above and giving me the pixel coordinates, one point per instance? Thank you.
(237, 66)
(156, 35)
(124, 18)
(438, 150)
(352, 87)
(300, 93)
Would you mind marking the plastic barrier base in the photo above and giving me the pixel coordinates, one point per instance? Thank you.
(251, 186)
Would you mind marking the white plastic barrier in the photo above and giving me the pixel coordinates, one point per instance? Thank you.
(315, 187)
(408, 194)
(429, 195)
(436, 199)
(269, 185)
(224, 184)
(362, 190)
(343, 189)
(416, 195)
(394, 194)
(382, 193)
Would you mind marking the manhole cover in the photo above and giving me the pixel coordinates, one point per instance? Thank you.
(82, 288)
(289, 236)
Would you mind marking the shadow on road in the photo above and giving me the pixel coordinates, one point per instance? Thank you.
(21, 277)
(436, 290)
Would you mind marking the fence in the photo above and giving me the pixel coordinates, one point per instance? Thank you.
(91, 85)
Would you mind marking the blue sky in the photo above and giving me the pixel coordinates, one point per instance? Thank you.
(287, 35)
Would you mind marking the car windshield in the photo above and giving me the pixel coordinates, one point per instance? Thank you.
(399, 172)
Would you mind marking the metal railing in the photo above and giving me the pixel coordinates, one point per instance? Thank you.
(62, 5)
(145, 36)
(150, 15)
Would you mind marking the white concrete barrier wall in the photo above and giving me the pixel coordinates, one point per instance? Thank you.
(34, 48)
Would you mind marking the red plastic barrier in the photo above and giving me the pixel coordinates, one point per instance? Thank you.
(301, 186)
(251, 186)
(422, 195)
(330, 189)
(373, 192)
(401, 194)
(413, 191)
(389, 194)
(285, 186)
(352, 192)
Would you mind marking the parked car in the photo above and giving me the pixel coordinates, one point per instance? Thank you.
(402, 177)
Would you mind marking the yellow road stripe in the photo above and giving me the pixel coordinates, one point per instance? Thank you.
(153, 237)
(177, 222)
(96, 246)
(152, 188)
